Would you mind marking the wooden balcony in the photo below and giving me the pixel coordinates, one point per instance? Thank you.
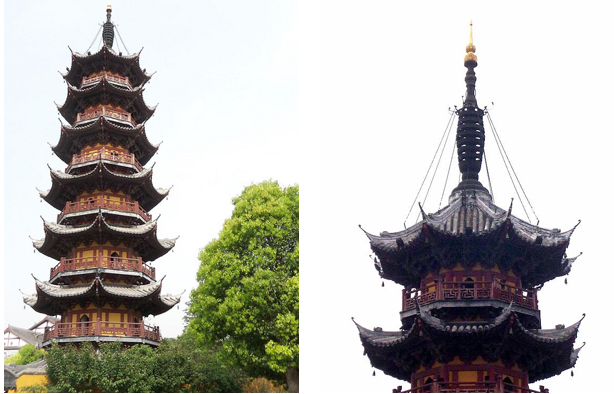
(101, 202)
(463, 291)
(108, 77)
(104, 154)
(496, 386)
(109, 262)
(107, 112)
(102, 328)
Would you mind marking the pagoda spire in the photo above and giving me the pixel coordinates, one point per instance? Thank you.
(470, 131)
(108, 32)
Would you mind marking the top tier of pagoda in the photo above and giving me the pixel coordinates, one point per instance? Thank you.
(471, 228)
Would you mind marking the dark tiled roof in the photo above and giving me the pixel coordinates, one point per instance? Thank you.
(27, 335)
(101, 129)
(151, 249)
(553, 348)
(50, 319)
(84, 64)
(13, 371)
(48, 294)
(57, 196)
(472, 210)
(469, 226)
(131, 98)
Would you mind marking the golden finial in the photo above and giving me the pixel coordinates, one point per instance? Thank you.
(470, 49)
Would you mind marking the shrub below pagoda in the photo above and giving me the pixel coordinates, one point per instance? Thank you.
(175, 366)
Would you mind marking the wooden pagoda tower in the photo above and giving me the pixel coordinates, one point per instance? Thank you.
(104, 240)
(471, 273)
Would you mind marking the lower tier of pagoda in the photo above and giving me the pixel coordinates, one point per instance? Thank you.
(145, 299)
(431, 342)
(102, 331)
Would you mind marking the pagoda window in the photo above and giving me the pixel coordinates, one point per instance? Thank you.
(114, 259)
(508, 385)
(468, 283)
(428, 385)
(85, 320)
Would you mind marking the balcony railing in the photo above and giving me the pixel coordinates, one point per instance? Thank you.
(108, 112)
(105, 154)
(101, 202)
(109, 262)
(486, 290)
(108, 77)
(102, 328)
(497, 386)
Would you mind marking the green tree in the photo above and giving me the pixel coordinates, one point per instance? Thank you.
(27, 354)
(247, 298)
(71, 369)
(175, 366)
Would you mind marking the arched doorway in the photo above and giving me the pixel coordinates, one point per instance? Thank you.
(115, 260)
(508, 385)
(85, 325)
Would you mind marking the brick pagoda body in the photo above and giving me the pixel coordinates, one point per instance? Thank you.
(103, 285)
(471, 273)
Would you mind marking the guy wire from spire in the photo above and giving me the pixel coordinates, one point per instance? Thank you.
(506, 159)
(508, 170)
(120, 38)
(94, 40)
(452, 115)
(492, 194)
(443, 192)
(437, 167)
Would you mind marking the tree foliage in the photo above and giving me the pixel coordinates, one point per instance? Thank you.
(247, 297)
(262, 385)
(175, 366)
(26, 355)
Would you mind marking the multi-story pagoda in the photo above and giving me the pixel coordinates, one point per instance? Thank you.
(103, 285)
(471, 273)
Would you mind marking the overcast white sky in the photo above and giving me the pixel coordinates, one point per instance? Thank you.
(348, 99)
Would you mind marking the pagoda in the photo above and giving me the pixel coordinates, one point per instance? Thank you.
(471, 273)
(104, 239)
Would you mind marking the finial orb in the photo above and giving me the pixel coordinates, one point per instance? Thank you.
(470, 48)
(471, 57)
(108, 7)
